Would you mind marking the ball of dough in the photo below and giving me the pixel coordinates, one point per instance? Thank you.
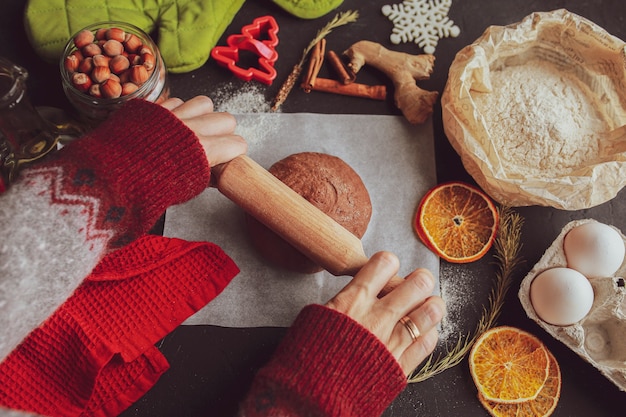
(328, 183)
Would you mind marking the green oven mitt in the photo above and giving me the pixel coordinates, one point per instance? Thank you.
(186, 30)
(308, 9)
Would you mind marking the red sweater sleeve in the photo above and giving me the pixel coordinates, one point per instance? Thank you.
(139, 162)
(327, 365)
(97, 194)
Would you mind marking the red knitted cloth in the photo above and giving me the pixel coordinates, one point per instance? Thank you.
(95, 355)
(327, 365)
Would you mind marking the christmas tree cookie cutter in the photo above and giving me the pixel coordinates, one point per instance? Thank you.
(259, 37)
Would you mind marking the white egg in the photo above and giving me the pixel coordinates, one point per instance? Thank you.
(594, 249)
(561, 296)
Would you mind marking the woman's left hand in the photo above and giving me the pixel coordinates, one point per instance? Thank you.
(215, 130)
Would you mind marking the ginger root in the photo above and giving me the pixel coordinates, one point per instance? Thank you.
(404, 70)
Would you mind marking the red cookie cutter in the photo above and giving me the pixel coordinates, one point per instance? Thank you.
(249, 40)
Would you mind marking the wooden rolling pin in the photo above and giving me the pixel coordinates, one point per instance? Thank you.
(291, 216)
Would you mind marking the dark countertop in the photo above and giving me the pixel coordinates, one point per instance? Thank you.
(211, 367)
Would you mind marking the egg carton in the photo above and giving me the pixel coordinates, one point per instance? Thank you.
(600, 337)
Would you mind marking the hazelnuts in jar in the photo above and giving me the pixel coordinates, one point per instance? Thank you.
(108, 62)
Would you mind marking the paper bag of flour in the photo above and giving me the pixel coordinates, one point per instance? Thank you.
(536, 109)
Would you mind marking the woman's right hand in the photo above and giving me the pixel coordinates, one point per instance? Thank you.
(215, 130)
(410, 300)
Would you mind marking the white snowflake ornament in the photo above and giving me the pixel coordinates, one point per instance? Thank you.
(423, 22)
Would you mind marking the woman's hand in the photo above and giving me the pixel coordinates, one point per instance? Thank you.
(412, 298)
(216, 130)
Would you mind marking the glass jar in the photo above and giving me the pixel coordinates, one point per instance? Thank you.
(91, 108)
(25, 136)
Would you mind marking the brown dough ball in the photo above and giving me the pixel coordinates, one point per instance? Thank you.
(328, 183)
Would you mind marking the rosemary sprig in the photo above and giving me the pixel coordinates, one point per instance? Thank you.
(340, 19)
(506, 252)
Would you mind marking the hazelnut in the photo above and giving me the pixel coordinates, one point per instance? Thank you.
(138, 74)
(101, 60)
(116, 77)
(94, 91)
(116, 34)
(71, 63)
(101, 34)
(119, 64)
(86, 65)
(148, 61)
(129, 88)
(124, 77)
(90, 50)
(78, 54)
(132, 43)
(112, 47)
(134, 59)
(145, 50)
(111, 89)
(83, 38)
(81, 81)
(100, 74)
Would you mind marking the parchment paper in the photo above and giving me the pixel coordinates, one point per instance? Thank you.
(571, 43)
(396, 162)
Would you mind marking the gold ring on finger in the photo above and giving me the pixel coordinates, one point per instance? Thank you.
(410, 327)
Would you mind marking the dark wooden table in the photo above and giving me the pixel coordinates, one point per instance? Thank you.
(211, 367)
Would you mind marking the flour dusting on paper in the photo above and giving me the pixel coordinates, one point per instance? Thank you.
(245, 100)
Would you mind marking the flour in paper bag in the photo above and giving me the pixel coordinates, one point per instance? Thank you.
(542, 120)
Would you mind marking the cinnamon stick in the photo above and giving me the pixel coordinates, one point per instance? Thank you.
(374, 92)
(315, 64)
(344, 75)
(342, 18)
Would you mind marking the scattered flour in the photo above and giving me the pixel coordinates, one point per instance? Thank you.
(247, 99)
(244, 100)
(457, 285)
(542, 120)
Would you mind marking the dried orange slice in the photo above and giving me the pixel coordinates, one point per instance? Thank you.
(457, 221)
(509, 365)
(542, 406)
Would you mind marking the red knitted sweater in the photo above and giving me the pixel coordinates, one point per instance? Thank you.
(91, 351)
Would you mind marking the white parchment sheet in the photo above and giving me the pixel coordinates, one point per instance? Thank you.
(397, 164)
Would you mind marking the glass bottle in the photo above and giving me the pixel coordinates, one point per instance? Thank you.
(25, 136)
